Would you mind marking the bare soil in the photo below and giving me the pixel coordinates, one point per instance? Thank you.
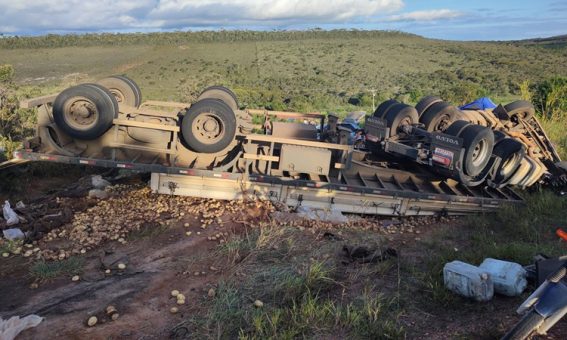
(157, 263)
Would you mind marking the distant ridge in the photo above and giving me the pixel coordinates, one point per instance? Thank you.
(557, 41)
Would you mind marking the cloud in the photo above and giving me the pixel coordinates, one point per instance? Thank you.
(429, 15)
(110, 15)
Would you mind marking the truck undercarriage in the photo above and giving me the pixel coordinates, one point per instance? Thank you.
(429, 159)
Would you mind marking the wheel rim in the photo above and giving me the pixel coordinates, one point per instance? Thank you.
(508, 165)
(479, 153)
(444, 122)
(208, 128)
(80, 113)
(120, 97)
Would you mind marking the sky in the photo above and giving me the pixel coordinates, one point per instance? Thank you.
(440, 19)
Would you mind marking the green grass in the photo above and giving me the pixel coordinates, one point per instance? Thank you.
(42, 270)
(302, 288)
(307, 71)
(514, 233)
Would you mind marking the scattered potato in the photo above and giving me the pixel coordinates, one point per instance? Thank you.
(173, 310)
(174, 292)
(111, 309)
(92, 321)
(121, 266)
(258, 304)
(5, 254)
(75, 278)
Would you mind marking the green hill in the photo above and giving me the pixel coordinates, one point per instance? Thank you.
(303, 70)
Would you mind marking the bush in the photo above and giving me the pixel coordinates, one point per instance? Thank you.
(6, 73)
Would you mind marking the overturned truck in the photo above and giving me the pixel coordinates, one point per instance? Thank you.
(429, 159)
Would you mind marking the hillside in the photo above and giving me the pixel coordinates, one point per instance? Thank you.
(314, 70)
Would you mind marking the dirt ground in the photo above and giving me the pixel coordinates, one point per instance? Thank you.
(179, 250)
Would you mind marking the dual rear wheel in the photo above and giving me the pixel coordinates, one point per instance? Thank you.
(86, 112)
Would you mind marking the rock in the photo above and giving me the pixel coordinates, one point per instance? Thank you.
(97, 193)
(121, 266)
(98, 182)
(115, 316)
(332, 216)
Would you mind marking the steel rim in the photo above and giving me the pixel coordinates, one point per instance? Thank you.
(443, 123)
(120, 97)
(508, 165)
(208, 128)
(80, 113)
(479, 153)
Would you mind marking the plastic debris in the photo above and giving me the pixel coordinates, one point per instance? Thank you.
(9, 214)
(13, 234)
(509, 278)
(469, 281)
(10, 328)
(98, 182)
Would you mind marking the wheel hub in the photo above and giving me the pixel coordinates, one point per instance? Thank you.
(80, 113)
(479, 153)
(208, 128)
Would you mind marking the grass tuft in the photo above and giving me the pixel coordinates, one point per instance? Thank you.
(49, 270)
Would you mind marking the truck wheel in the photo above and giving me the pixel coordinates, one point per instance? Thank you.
(208, 126)
(85, 111)
(125, 90)
(478, 142)
(456, 127)
(438, 117)
(399, 115)
(511, 152)
(498, 136)
(425, 103)
(520, 109)
(221, 93)
(383, 108)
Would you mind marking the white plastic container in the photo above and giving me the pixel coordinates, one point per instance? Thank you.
(468, 281)
(509, 278)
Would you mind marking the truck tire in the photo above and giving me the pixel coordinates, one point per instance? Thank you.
(125, 90)
(425, 103)
(511, 152)
(520, 109)
(478, 142)
(399, 115)
(498, 136)
(85, 111)
(456, 127)
(525, 327)
(439, 116)
(221, 93)
(209, 126)
(383, 108)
